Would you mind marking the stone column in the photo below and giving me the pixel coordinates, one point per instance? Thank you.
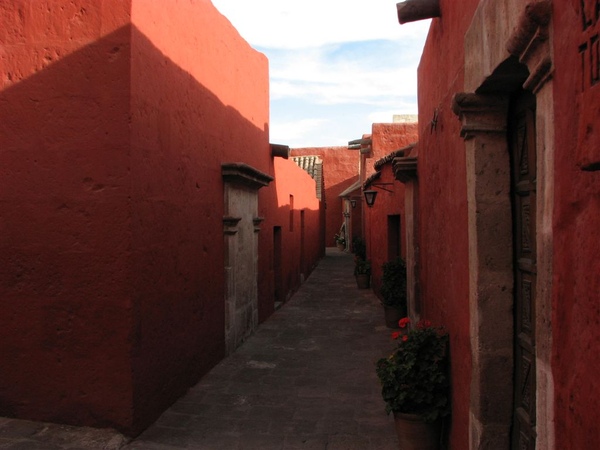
(490, 266)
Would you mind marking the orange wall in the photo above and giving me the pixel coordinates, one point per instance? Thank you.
(65, 227)
(340, 170)
(114, 129)
(189, 114)
(386, 138)
(301, 243)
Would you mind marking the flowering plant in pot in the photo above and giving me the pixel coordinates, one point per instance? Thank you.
(362, 272)
(415, 382)
(340, 241)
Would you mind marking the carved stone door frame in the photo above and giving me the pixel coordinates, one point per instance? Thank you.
(241, 226)
(517, 54)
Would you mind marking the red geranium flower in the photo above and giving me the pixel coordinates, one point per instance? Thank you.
(405, 338)
(403, 322)
(395, 335)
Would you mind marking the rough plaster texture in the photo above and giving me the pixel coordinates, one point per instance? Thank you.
(443, 241)
(576, 230)
(65, 281)
(508, 43)
(111, 241)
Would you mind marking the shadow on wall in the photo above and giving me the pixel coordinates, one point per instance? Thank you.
(293, 237)
(111, 256)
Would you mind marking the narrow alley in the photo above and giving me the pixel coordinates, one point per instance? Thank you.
(304, 380)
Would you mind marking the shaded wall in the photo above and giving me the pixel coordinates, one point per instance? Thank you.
(291, 205)
(65, 217)
(189, 115)
(111, 239)
(377, 233)
(576, 224)
(443, 238)
(386, 138)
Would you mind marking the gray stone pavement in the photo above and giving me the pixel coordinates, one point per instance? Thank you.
(305, 380)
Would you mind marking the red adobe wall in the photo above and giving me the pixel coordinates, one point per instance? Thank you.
(188, 116)
(385, 139)
(300, 228)
(443, 200)
(65, 278)
(340, 171)
(115, 124)
(376, 224)
(576, 284)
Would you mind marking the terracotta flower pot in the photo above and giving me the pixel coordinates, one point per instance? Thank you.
(416, 434)
(363, 280)
(392, 316)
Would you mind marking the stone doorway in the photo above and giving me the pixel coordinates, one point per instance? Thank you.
(241, 227)
(517, 56)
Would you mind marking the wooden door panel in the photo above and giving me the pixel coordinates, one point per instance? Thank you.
(523, 176)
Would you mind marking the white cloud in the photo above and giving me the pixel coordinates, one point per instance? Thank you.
(343, 80)
(335, 66)
(313, 23)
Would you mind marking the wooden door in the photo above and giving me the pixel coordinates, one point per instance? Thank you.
(522, 140)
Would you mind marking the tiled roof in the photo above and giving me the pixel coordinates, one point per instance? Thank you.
(389, 158)
(313, 165)
(372, 178)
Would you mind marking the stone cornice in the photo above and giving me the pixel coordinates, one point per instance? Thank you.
(405, 169)
(243, 174)
(480, 113)
(230, 225)
(530, 43)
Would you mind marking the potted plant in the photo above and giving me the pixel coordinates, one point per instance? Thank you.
(362, 272)
(340, 242)
(415, 384)
(359, 247)
(393, 291)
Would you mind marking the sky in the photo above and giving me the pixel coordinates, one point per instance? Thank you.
(335, 66)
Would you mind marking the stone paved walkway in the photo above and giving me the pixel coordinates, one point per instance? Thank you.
(304, 380)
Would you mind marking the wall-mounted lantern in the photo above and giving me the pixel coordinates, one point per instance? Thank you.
(353, 203)
(370, 195)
